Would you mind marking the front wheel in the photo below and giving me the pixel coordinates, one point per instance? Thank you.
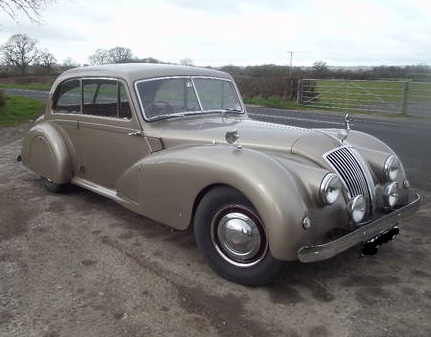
(232, 238)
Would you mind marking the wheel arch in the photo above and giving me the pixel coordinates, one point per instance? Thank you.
(45, 152)
(234, 241)
(201, 194)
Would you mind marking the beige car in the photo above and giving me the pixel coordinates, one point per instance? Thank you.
(175, 144)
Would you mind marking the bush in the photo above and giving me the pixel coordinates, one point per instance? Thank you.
(2, 99)
(267, 86)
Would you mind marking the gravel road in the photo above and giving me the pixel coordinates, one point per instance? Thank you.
(77, 264)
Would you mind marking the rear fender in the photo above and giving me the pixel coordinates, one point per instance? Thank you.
(44, 151)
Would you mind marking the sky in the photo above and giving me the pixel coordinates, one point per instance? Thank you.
(236, 32)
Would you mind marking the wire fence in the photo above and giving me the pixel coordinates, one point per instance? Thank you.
(390, 97)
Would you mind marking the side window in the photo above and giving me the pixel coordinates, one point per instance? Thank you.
(96, 97)
(106, 98)
(67, 99)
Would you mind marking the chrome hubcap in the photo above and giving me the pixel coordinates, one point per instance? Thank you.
(238, 236)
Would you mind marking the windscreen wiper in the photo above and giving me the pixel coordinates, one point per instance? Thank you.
(232, 111)
(166, 116)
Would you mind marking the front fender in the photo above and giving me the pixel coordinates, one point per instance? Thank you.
(44, 151)
(170, 182)
(375, 152)
(365, 140)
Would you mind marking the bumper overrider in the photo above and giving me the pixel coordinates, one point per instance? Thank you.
(361, 235)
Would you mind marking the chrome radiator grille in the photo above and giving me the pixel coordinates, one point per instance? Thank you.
(345, 161)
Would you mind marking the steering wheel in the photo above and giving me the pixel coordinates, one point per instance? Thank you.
(158, 108)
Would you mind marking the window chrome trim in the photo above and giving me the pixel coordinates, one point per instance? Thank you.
(191, 78)
(118, 81)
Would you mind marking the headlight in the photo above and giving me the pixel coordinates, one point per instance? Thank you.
(330, 188)
(392, 167)
(391, 194)
(357, 208)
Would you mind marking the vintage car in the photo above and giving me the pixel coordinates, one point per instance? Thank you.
(175, 144)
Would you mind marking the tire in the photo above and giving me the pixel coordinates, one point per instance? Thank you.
(52, 186)
(232, 238)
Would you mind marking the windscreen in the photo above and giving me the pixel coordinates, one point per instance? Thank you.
(178, 96)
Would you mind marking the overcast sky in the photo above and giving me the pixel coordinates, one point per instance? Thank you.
(238, 32)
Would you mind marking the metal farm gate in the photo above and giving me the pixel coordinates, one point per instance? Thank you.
(392, 97)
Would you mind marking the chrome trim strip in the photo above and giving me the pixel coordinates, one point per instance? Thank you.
(368, 177)
(362, 234)
(96, 188)
(107, 193)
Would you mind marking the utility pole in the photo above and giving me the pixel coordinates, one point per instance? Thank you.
(291, 57)
(290, 71)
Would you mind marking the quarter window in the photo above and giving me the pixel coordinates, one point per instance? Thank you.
(68, 97)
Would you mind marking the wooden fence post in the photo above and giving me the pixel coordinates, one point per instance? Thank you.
(406, 89)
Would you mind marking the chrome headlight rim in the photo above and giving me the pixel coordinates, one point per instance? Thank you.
(391, 168)
(391, 195)
(330, 189)
(357, 208)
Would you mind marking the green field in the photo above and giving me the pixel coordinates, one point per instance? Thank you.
(19, 109)
(395, 97)
(340, 94)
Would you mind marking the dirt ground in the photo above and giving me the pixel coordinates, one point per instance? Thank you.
(77, 264)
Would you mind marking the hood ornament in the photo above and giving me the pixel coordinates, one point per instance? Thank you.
(232, 137)
(348, 121)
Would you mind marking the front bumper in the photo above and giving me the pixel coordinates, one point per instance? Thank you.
(327, 250)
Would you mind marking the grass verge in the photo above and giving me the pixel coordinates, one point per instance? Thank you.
(32, 86)
(19, 109)
(273, 102)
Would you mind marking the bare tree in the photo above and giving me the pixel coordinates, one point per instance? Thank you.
(101, 56)
(46, 59)
(69, 63)
(320, 69)
(20, 50)
(113, 55)
(186, 62)
(30, 8)
(120, 55)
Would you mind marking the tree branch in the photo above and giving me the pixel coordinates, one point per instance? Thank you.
(30, 8)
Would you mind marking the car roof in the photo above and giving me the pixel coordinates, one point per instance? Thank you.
(138, 71)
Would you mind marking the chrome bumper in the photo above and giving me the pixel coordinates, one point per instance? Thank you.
(358, 236)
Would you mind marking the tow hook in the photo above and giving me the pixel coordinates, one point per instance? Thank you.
(371, 247)
(19, 158)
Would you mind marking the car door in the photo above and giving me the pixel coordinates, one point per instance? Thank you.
(103, 131)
